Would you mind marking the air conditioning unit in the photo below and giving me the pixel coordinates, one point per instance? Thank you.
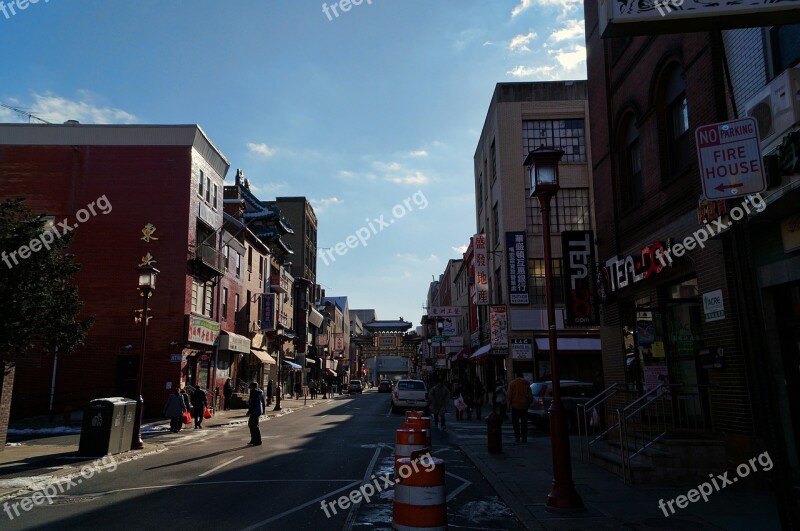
(776, 107)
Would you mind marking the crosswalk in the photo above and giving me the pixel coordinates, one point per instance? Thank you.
(474, 429)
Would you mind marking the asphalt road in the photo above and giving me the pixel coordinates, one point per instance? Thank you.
(210, 478)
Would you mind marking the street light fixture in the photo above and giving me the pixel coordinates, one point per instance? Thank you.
(543, 163)
(147, 285)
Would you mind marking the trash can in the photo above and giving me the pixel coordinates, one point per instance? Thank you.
(105, 423)
(494, 433)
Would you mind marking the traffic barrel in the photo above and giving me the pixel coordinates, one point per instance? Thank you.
(406, 442)
(424, 423)
(410, 414)
(420, 500)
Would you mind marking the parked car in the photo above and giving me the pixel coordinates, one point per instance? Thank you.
(573, 392)
(409, 394)
(354, 387)
(385, 386)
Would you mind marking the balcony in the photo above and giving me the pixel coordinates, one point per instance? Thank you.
(280, 283)
(209, 259)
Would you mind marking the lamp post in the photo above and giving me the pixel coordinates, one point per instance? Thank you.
(543, 163)
(428, 356)
(147, 285)
(440, 329)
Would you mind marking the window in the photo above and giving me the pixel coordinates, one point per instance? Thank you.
(674, 114)
(224, 303)
(225, 253)
(538, 285)
(480, 192)
(632, 178)
(498, 285)
(493, 155)
(236, 308)
(568, 135)
(202, 298)
(569, 210)
(249, 259)
(208, 189)
(260, 267)
(238, 265)
(784, 47)
(202, 183)
(214, 197)
(496, 225)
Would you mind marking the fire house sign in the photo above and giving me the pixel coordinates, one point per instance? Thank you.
(730, 159)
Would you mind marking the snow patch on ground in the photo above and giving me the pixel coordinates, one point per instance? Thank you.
(58, 430)
(486, 510)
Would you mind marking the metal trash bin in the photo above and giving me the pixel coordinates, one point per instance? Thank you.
(105, 424)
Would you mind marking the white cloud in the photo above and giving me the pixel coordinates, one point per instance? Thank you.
(488, 43)
(460, 250)
(321, 204)
(523, 5)
(411, 258)
(566, 6)
(520, 42)
(418, 153)
(522, 71)
(573, 29)
(413, 178)
(261, 149)
(57, 110)
(571, 59)
(345, 173)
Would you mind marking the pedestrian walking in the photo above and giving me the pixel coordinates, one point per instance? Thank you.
(298, 389)
(499, 399)
(174, 409)
(520, 398)
(227, 391)
(439, 396)
(457, 394)
(324, 390)
(187, 403)
(467, 394)
(256, 405)
(312, 387)
(477, 399)
(269, 393)
(199, 404)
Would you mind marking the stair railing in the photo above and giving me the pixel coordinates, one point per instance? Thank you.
(598, 403)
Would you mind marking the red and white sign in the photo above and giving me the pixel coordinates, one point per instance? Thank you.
(730, 159)
(481, 270)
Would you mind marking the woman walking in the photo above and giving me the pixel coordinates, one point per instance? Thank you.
(174, 409)
(199, 403)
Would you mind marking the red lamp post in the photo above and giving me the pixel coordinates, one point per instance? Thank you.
(543, 163)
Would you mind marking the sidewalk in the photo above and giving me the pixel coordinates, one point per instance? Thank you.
(46, 453)
(523, 475)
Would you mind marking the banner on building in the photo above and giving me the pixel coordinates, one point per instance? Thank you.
(445, 311)
(201, 330)
(517, 257)
(481, 270)
(580, 294)
(338, 342)
(521, 349)
(268, 311)
(498, 323)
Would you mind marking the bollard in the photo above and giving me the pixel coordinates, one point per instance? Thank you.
(494, 433)
(419, 495)
(407, 441)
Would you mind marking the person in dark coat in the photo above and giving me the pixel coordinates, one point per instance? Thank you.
(199, 404)
(269, 393)
(227, 391)
(477, 398)
(187, 403)
(256, 405)
(174, 409)
(298, 389)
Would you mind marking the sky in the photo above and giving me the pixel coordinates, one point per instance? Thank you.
(373, 113)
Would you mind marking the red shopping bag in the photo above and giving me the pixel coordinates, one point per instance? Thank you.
(187, 417)
(207, 414)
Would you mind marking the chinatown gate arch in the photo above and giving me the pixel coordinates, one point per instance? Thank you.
(389, 351)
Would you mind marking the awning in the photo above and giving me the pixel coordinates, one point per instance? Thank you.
(292, 365)
(330, 372)
(463, 354)
(315, 318)
(481, 352)
(570, 343)
(263, 356)
(234, 342)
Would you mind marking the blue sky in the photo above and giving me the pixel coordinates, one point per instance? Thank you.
(358, 112)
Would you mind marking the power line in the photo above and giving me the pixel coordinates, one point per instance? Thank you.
(24, 113)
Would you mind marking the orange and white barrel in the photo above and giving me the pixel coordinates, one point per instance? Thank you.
(423, 423)
(407, 441)
(420, 500)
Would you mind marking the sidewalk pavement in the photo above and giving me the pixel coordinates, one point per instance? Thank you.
(523, 473)
(46, 453)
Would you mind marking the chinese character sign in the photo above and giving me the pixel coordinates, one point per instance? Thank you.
(481, 271)
(579, 285)
(445, 311)
(517, 257)
(498, 323)
(268, 311)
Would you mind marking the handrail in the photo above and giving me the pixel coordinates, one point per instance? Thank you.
(595, 402)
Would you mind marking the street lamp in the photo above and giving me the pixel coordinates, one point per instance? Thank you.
(147, 285)
(543, 163)
(440, 328)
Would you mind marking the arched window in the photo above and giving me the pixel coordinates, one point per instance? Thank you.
(632, 176)
(674, 117)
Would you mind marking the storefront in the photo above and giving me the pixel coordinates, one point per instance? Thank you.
(201, 335)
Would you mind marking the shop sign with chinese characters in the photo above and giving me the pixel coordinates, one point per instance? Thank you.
(498, 322)
(445, 311)
(579, 265)
(481, 270)
(202, 330)
(517, 256)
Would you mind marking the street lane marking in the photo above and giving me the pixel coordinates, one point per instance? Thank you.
(466, 483)
(226, 463)
(290, 511)
(351, 517)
